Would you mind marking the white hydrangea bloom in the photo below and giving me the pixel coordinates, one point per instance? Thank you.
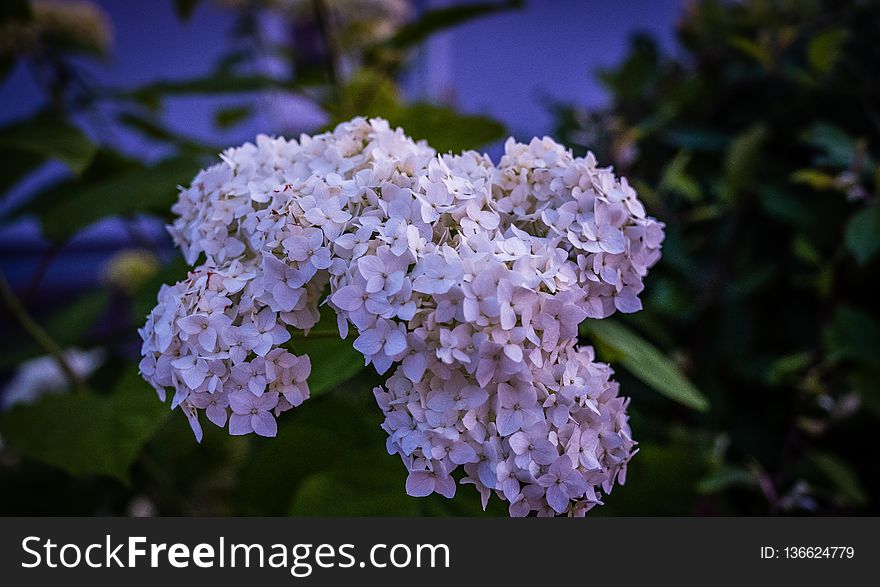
(465, 280)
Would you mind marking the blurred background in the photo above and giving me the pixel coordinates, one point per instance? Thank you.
(751, 128)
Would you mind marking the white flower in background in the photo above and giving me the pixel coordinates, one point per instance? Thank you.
(463, 280)
(43, 376)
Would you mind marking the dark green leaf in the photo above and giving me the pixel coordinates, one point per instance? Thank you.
(51, 138)
(863, 233)
(825, 49)
(742, 161)
(433, 21)
(67, 327)
(16, 166)
(842, 476)
(105, 164)
(15, 10)
(229, 117)
(645, 361)
(333, 360)
(853, 334)
(359, 485)
(838, 148)
(153, 189)
(726, 478)
(221, 83)
(185, 8)
(696, 139)
(632, 79)
(445, 129)
(660, 481)
(88, 433)
(152, 128)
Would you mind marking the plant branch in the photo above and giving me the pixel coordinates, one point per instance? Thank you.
(36, 332)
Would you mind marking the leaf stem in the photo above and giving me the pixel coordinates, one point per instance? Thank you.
(36, 332)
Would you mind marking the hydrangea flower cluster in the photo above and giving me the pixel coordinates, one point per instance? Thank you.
(464, 280)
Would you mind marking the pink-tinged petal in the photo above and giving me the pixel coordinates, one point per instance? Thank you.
(240, 424)
(192, 324)
(519, 443)
(513, 352)
(264, 424)
(370, 266)
(627, 302)
(267, 401)
(193, 418)
(208, 339)
(414, 366)
(445, 486)
(557, 498)
(368, 343)
(420, 484)
(575, 484)
(348, 298)
(216, 415)
(462, 453)
(241, 403)
(395, 343)
(508, 422)
(440, 401)
(193, 377)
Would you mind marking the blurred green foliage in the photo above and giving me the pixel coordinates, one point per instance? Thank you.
(757, 143)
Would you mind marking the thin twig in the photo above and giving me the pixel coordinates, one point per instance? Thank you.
(42, 267)
(36, 332)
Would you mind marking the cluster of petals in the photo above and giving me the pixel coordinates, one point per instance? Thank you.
(462, 280)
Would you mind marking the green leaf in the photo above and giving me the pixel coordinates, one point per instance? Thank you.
(843, 477)
(644, 361)
(185, 8)
(229, 117)
(152, 128)
(16, 166)
(445, 129)
(15, 10)
(153, 189)
(825, 49)
(360, 485)
(634, 78)
(676, 178)
(726, 478)
(853, 334)
(742, 161)
(696, 139)
(838, 148)
(818, 180)
(220, 83)
(433, 21)
(660, 481)
(333, 362)
(311, 439)
(105, 164)
(863, 233)
(50, 137)
(333, 359)
(67, 327)
(88, 433)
